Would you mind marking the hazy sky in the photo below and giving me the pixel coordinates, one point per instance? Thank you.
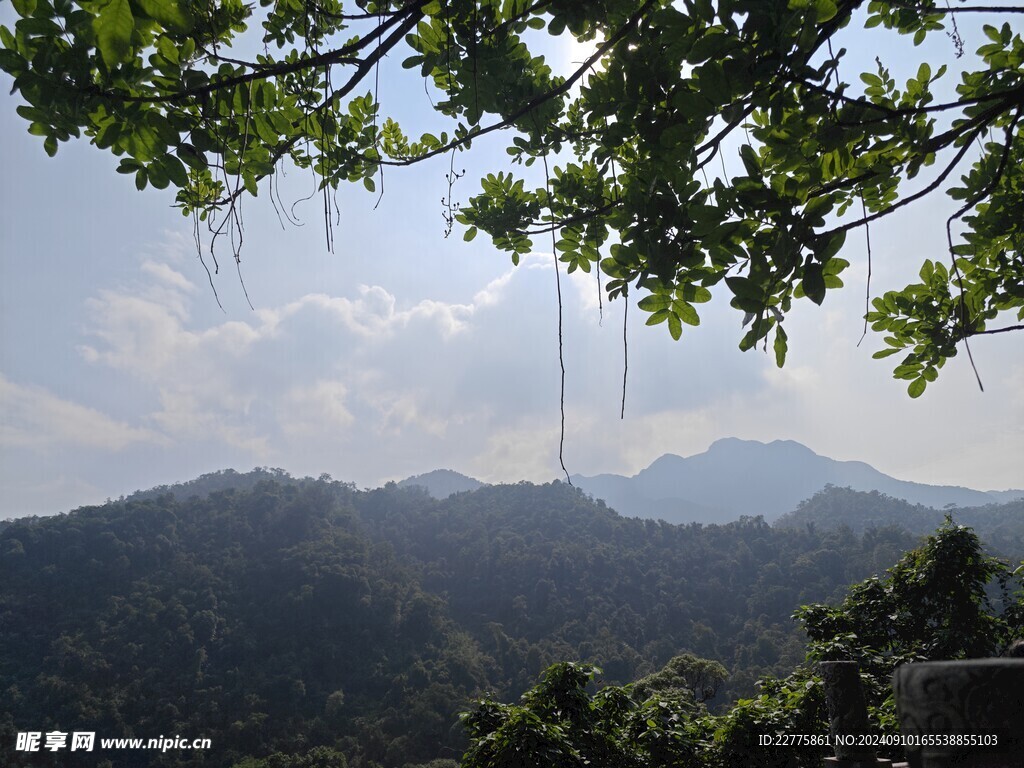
(405, 351)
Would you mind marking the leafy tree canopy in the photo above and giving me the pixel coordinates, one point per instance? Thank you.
(559, 723)
(212, 97)
(685, 676)
(318, 757)
(944, 600)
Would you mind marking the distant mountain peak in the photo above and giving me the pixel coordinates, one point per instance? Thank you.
(737, 443)
(442, 483)
(736, 477)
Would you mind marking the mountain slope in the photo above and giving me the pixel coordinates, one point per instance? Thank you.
(302, 613)
(745, 477)
(442, 483)
(1001, 526)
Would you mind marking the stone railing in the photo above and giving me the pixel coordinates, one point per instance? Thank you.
(955, 714)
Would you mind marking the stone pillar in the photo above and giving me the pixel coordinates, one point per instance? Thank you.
(847, 716)
(980, 699)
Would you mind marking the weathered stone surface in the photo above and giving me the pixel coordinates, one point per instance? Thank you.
(974, 698)
(847, 710)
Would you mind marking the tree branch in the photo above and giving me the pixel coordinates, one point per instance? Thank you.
(968, 9)
(1015, 96)
(509, 22)
(575, 219)
(362, 71)
(917, 196)
(356, 16)
(1000, 330)
(338, 56)
(715, 142)
(536, 101)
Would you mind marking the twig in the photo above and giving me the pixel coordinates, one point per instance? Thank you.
(867, 287)
(558, 290)
(625, 349)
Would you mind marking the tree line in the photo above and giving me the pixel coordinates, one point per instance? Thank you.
(307, 620)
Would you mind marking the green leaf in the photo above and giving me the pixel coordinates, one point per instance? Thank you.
(712, 82)
(825, 10)
(11, 62)
(780, 346)
(696, 294)
(675, 327)
(814, 283)
(469, 234)
(927, 270)
(168, 49)
(916, 388)
(113, 28)
(38, 26)
(826, 250)
(7, 38)
(744, 287)
(658, 317)
(174, 170)
(751, 161)
(251, 185)
(654, 302)
(686, 313)
(24, 7)
(834, 266)
(128, 165)
(170, 13)
(192, 157)
(157, 176)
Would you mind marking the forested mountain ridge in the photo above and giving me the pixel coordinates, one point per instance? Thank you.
(221, 480)
(294, 613)
(262, 619)
(442, 483)
(541, 573)
(1001, 526)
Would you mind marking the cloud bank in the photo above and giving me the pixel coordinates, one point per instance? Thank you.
(369, 387)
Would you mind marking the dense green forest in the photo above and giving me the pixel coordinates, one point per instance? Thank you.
(944, 599)
(1001, 526)
(306, 617)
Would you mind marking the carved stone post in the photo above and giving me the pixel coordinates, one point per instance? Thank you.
(967, 714)
(847, 716)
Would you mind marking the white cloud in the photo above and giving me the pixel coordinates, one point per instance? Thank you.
(366, 387)
(313, 376)
(525, 450)
(137, 334)
(308, 411)
(165, 274)
(32, 418)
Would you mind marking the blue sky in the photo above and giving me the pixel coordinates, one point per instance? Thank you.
(404, 351)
